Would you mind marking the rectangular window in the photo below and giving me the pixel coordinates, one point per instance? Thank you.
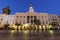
(42, 16)
(45, 16)
(38, 16)
(35, 17)
(20, 22)
(23, 16)
(46, 22)
(1, 19)
(17, 16)
(43, 22)
(20, 16)
(28, 19)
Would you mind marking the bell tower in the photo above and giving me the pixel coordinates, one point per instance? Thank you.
(31, 8)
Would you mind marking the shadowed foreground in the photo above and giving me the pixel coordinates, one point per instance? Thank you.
(29, 35)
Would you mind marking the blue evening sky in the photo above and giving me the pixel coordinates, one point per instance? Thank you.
(43, 6)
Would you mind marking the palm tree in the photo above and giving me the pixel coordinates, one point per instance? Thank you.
(37, 22)
(54, 24)
(17, 25)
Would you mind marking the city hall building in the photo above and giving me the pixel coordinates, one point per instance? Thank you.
(27, 17)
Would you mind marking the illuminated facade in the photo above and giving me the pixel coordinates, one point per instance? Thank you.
(28, 17)
(44, 18)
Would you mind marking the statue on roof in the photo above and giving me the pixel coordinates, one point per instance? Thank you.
(6, 10)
